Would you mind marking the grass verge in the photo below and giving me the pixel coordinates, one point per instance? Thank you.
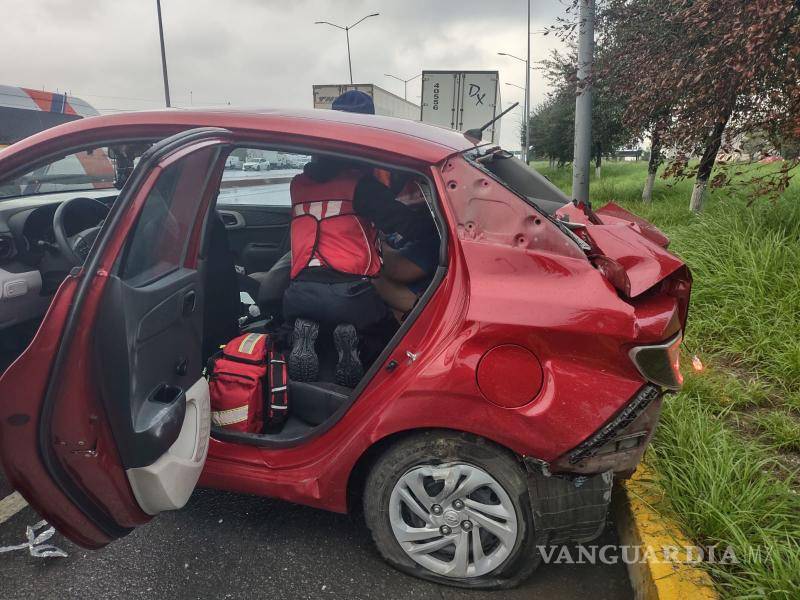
(728, 447)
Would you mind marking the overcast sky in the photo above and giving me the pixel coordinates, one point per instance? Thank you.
(263, 52)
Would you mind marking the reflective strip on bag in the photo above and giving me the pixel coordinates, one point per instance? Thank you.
(248, 343)
(221, 418)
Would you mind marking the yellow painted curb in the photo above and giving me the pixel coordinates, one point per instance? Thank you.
(664, 572)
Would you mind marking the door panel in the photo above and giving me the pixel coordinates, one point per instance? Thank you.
(109, 393)
(167, 483)
(148, 357)
(258, 235)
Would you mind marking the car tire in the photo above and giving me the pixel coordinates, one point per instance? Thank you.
(428, 459)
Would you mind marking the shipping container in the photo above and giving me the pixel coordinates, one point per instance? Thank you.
(462, 100)
(386, 103)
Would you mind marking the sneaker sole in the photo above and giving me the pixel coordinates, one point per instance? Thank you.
(349, 369)
(303, 363)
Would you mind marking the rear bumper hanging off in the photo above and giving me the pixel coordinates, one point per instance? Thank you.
(618, 445)
(571, 495)
(569, 509)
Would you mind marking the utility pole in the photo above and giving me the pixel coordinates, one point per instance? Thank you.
(163, 54)
(583, 103)
(528, 92)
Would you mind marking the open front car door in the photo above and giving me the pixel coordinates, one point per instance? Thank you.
(104, 419)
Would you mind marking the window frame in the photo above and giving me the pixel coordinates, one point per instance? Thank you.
(216, 162)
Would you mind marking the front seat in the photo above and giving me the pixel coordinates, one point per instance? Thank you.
(222, 307)
(272, 284)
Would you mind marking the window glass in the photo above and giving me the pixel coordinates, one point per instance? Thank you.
(94, 168)
(160, 237)
(81, 171)
(259, 177)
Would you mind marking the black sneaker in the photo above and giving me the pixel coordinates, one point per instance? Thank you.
(349, 369)
(303, 363)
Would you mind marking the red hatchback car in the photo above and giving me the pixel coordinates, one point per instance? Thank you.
(527, 377)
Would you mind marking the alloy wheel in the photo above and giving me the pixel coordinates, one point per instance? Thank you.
(453, 519)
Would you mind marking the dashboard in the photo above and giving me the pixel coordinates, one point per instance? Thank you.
(31, 265)
(37, 226)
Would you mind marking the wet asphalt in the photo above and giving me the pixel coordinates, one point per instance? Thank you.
(226, 545)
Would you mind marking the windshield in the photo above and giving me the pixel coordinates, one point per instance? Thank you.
(82, 171)
(99, 168)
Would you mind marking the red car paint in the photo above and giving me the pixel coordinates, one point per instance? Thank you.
(514, 280)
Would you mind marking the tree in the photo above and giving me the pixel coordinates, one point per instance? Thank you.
(553, 122)
(552, 129)
(699, 74)
(653, 162)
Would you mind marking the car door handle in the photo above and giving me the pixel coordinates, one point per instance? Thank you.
(158, 423)
(189, 303)
(165, 393)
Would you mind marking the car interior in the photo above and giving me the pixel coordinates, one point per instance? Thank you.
(50, 217)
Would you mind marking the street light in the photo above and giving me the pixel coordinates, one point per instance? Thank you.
(163, 54)
(527, 102)
(512, 56)
(527, 62)
(405, 82)
(519, 87)
(347, 33)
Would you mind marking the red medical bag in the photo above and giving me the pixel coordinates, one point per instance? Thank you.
(246, 376)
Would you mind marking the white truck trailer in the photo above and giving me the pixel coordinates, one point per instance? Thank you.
(386, 103)
(462, 100)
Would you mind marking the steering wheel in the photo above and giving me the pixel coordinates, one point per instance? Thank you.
(76, 248)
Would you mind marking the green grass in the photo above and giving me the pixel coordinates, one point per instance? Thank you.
(722, 490)
(783, 428)
(725, 447)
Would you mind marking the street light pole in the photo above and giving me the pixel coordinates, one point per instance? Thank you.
(583, 103)
(346, 30)
(519, 87)
(163, 54)
(526, 100)
(349, 61)
(405, 82)
(528, 90)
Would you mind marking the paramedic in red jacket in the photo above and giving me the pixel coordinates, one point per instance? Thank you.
(337, 209)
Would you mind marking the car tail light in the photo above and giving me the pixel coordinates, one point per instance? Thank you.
(660, 363)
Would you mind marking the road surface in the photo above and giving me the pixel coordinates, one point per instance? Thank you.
(225, 545)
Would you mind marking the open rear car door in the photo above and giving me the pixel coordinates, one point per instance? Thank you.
(104, 419)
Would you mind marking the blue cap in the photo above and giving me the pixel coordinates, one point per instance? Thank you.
(355, 101)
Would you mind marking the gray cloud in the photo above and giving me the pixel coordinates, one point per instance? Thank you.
(260, 52)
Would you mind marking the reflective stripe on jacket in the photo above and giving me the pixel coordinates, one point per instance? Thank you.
(326, 231)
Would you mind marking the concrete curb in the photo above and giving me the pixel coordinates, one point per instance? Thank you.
(663, 572)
